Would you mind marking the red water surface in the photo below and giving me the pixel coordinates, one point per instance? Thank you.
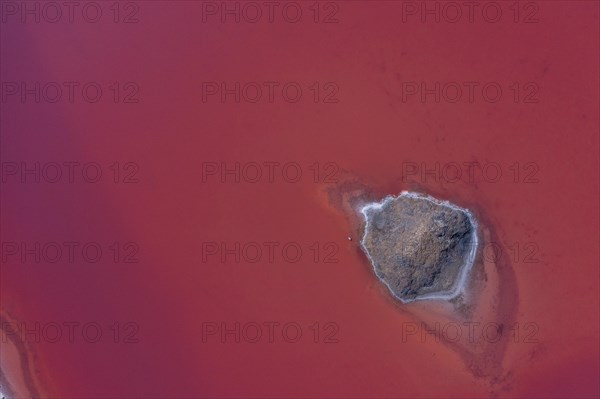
(371, 134)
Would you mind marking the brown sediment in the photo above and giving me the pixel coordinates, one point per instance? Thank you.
(490, 297)
(19, 374)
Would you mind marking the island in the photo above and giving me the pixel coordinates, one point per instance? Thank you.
(419, 246)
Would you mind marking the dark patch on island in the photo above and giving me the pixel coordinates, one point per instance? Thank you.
(420, 247)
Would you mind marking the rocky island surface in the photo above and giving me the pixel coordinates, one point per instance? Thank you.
(420, 247)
